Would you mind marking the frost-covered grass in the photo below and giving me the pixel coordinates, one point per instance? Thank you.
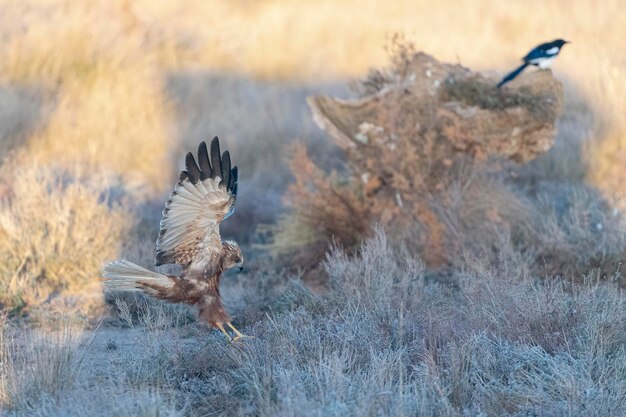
(384, 341)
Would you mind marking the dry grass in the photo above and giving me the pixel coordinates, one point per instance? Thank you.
(104, 95)
(554, 229)
(91, 128)
(116, 122)
(39, 364)
(98, 101)
(55, 233)
(384, 340)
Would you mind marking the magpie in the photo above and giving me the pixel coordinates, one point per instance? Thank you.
(541, 56)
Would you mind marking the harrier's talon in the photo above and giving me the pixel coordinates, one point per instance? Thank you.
(239, 335)
(239, 339)
(221, 327)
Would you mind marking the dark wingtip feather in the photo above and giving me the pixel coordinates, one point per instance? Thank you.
(212, 164)
(193, 172)
(203, 160)
(226, 168)
(216, 158)
(233, 177)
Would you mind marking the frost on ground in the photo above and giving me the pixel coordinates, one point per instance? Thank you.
(385, 341)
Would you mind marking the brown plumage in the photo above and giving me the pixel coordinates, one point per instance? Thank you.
(204, 196)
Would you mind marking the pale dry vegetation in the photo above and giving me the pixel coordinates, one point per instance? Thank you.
(385, 341)
(55, 233)
(502, 296)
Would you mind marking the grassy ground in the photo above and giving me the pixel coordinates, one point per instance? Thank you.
(99, 101)
(384, 341)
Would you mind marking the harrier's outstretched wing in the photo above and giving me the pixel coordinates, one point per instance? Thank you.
(204, 196)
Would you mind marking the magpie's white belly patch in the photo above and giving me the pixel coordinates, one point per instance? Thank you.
(542, 63)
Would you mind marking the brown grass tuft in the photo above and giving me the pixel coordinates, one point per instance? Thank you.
(55, 234)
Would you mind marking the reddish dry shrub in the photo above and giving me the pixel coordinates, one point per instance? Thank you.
(335, 212)
(325, 210)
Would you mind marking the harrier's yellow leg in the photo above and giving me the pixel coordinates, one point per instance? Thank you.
(221, 327)
(239, 335)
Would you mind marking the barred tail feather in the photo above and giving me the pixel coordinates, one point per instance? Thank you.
(127, 276)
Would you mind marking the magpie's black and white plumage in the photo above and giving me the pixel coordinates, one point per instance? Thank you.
(541, 56)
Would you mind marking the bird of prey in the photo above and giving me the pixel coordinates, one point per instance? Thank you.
(541, 56)
(204, 196)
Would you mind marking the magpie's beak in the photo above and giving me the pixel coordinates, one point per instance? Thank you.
(568, 41)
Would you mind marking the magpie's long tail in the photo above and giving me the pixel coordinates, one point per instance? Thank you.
(512, 74)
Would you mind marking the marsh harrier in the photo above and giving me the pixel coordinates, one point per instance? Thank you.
(204, 196)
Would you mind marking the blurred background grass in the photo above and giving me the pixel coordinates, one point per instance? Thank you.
(100, 99)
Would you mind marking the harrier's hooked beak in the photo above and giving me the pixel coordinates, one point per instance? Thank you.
(240, 266)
